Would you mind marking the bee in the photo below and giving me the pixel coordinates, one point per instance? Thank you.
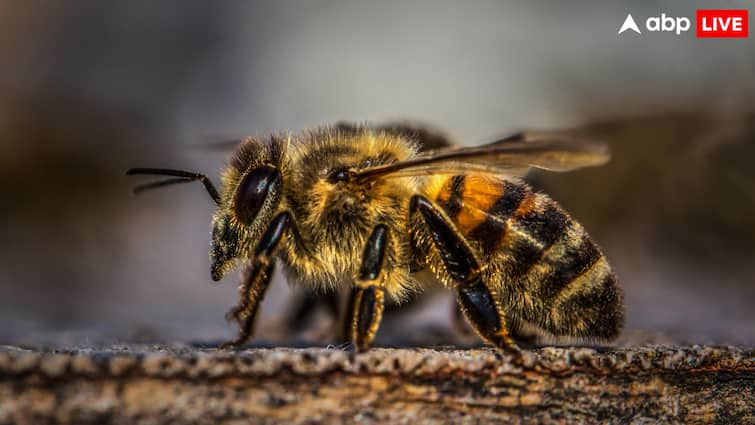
(375, 208)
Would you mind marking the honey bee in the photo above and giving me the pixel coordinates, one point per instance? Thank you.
(371, 208)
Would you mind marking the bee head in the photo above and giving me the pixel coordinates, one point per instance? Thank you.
(252, 194)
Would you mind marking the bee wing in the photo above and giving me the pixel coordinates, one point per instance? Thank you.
(512, 156)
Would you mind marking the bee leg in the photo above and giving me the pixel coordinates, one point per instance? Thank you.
(476, 300)
(348, 320)
(460, 323)
(368, 299)
(253, 287)
(256, 279)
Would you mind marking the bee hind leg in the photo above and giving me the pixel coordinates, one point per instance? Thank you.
(460, 324)
(476, 300)
(368, 297)
(256, 279)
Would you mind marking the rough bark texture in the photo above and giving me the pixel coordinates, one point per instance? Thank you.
(154, 384)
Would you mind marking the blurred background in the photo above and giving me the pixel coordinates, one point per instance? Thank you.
(90, 88)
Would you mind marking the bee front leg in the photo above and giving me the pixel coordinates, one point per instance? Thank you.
(476, 299)
(256, 279)
(368, 299)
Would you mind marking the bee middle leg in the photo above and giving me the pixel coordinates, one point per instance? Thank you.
(476, 300)
(256, 279)
(368, 297)
(459, 322)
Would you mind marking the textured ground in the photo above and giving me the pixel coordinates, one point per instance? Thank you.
(187, 384)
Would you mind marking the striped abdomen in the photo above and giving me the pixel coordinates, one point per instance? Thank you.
(545, 266)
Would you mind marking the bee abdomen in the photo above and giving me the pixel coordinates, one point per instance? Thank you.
(558, 273)
(493, 212)
(577, 288)
(569, 258)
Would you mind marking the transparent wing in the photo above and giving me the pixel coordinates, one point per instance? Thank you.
(512, 156)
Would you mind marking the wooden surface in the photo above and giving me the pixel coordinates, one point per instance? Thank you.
(183, 384)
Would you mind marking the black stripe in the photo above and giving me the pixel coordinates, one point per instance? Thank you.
(598, 307)
(513, 195)
(545, 226)
(490, 232)
(523, 254)
(455, 197)
(574, 262)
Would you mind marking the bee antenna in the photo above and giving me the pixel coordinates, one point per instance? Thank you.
(180, 176)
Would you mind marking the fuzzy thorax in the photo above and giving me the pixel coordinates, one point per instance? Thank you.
(333, 218)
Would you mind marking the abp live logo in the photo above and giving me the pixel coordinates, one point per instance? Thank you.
(711, 23)
(722, 23)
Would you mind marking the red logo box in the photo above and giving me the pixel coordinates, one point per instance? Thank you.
(722, 23)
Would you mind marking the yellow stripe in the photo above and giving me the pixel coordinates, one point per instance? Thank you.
(529, 203)
(586, 281)
(479, 196)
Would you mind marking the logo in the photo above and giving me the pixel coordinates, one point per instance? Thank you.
(629, 24)
(667, 24)
(710, 23)
(722, 23)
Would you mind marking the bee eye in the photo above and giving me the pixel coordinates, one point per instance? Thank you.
(253, 191)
